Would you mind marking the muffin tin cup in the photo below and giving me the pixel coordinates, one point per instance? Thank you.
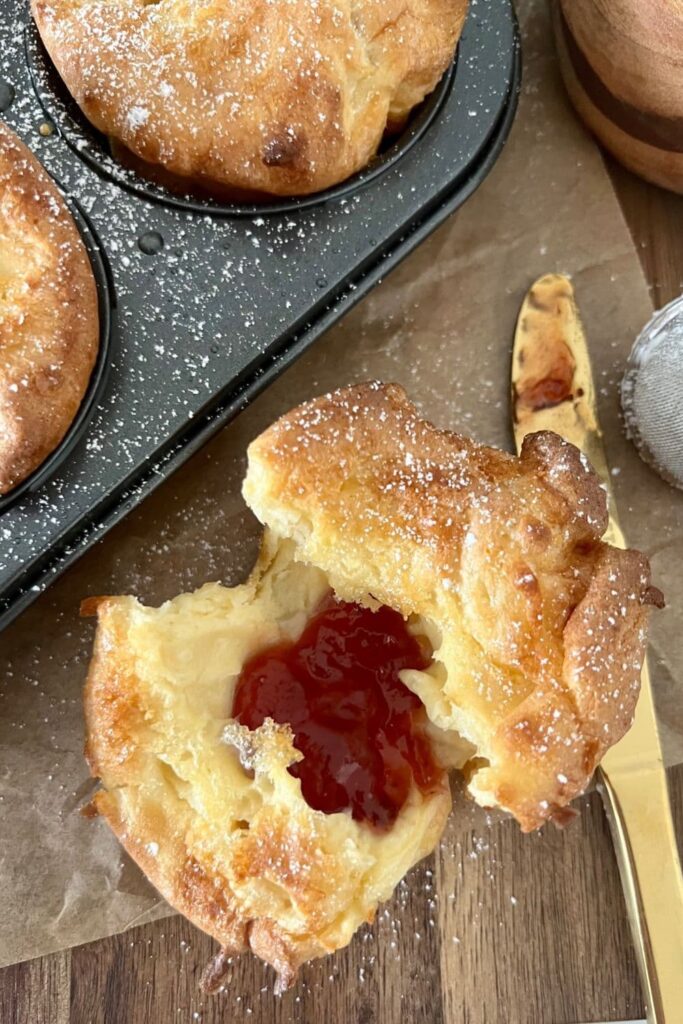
(214, 301)
(93, 147)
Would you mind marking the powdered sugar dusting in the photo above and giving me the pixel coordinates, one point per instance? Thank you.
(220, 298)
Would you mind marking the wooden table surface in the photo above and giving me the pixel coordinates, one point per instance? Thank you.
(550, 944)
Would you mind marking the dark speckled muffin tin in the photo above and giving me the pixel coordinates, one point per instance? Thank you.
(208, 303)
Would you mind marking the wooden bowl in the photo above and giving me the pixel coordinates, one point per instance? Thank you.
(622, 63)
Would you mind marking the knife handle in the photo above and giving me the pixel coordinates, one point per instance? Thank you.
(639, 813)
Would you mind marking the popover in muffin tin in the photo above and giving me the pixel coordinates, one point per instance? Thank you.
(275, 97)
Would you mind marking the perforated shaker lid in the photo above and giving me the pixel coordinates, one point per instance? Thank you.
(652, 393)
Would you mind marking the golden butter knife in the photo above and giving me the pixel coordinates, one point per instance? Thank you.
(553, 389)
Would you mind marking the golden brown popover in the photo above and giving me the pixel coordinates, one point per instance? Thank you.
(530, 634)
(49, 321)
(283, 97)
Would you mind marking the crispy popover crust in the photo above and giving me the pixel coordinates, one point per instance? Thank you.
(539, 628)
(49, 323)
(206, 807)
(283, 97)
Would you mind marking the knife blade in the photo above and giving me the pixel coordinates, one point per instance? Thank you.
(553, 389)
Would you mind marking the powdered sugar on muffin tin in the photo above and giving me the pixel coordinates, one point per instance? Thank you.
(222, 299)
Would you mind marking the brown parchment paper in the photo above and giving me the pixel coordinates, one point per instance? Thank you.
(442, 325)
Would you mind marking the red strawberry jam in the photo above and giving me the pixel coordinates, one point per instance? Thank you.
(361, 731)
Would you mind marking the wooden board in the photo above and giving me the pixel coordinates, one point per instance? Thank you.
(498, 928)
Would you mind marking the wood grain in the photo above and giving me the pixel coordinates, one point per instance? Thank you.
(494, 927)
(620, 61)
(38, 991)
(655, 218)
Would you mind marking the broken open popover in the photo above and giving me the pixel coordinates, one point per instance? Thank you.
(275, 755)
